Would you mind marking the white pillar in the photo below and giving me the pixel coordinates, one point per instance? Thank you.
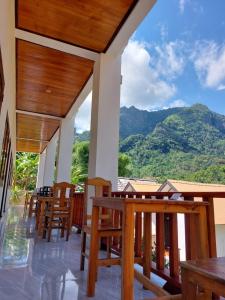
(41, 169)
(50, 162)
(64, 160)
(105, 114)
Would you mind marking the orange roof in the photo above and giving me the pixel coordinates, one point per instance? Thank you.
(142, 186)
(186, 186)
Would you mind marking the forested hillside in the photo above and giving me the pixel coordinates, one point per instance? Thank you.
(180, 143)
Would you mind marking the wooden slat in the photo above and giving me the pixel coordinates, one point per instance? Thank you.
(147, 241)
(138, 234)
(88, 24)
(174, 252)
(30, 146)
(211, 226)
(36, 128)
(160, 241)
(48, 80)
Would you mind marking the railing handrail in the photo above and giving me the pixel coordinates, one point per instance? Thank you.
(169, 194)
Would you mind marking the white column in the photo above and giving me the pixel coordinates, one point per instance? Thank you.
(104, 143)
(41, 169)
(64, 160)
(50, 162)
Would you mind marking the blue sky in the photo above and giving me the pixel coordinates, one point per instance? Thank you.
(176, 57)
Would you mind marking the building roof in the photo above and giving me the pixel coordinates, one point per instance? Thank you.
(188, 186)
(144, 187)
(141, 184)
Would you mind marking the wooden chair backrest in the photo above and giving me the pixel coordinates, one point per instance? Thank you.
(63, 192)
(102, 188)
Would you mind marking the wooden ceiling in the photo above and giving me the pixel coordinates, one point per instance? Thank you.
(41, 129)
(30, 146)
(90, 24)
(49, 81)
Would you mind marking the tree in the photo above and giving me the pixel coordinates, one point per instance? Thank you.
(80, 157)
(124, 165)
(25, 174)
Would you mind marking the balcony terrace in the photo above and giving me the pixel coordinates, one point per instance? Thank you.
(53, 54)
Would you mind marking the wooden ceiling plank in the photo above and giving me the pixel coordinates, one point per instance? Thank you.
(87, 24)
(48, 80)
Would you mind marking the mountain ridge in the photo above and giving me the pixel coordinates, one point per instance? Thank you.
(181, 143)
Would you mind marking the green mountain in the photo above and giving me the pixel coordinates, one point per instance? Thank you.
(178, 143)
(181, 145)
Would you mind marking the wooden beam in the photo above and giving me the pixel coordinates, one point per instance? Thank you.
(54, 44)
(30, 113)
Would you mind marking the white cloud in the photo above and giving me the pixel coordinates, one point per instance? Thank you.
(83, 117)
(182, 4)
(170, 59)
(209, 62)
(178, 103)
(142, 85)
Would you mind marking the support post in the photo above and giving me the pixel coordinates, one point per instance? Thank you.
(50, 162)
(41, 170)
(64, 159)
(104, 141)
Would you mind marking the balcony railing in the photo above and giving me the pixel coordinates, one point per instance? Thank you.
(166, 232)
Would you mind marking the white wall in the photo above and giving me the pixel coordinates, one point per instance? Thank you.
(7, 43)
(220, 240)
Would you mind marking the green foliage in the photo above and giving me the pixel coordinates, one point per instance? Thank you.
(179, 143)
(188, 144)
(25, 173)
(124, 165)
(80, 156)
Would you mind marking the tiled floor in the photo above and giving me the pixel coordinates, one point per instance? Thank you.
(31, 268)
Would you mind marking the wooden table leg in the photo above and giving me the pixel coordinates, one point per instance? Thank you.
(189, 289)
(94, 244)
(40, 218)
(30, 207)
(127, 278)
(147, 244)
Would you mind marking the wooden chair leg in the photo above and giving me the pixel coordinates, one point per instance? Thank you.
(63, 227)
(109, 245)
(45, 228)
(83, 250)
(49, 229)
(68, 228)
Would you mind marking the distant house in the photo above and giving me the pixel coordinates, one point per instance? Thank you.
(142, 186)
(137, 185)
(219, 204)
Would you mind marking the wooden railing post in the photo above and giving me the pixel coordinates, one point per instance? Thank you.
(147, 257)
(160, 241)
(174, 251)
(138, 235)
(211, 226)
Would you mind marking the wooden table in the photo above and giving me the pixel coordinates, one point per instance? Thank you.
(209, 274)
(129, 207)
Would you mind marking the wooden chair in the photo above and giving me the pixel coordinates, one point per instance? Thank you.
(106, 229)
(59, 211)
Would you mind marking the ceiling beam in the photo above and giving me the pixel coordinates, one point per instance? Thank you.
(32, 140)
(30, 113)
(54, 44)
